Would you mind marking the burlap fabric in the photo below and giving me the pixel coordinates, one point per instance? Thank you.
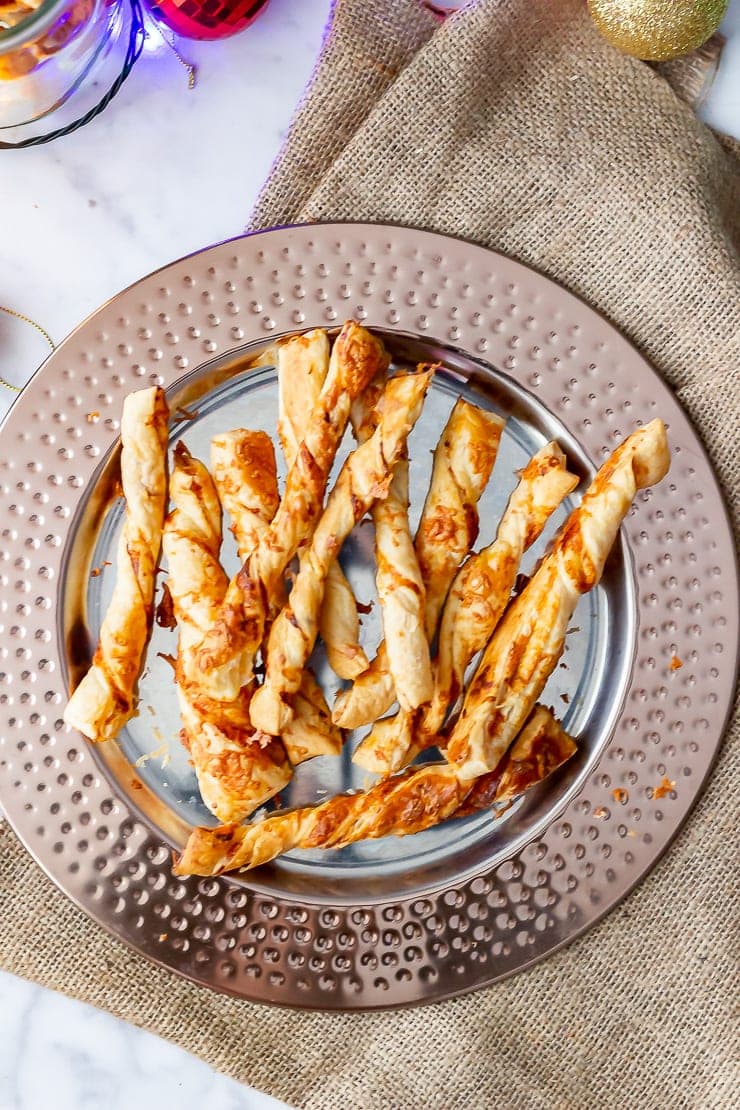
(513, 124)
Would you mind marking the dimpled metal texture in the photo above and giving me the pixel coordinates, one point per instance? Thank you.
(84, 826)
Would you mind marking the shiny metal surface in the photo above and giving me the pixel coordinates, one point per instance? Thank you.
(400, 920)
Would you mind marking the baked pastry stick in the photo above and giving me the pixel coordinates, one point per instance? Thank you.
(539, 750)
(303, 362)
(514, 669)
(414, 800)
(403, 804)
(245, 473)
(105, 699)
(401, 595)
(235, 773)
(528, 642)
(405, 649)
(448, 527)
(476, 600)
(365, 476)
(226, 654)
(244, 470)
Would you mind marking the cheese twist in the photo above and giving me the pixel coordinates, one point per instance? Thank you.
(235, 772)
(227, 652)
(448, 526)
(528, 642)
(476, 600)
(365, 476)
(401, 805)
(105, 699)
(303, 363)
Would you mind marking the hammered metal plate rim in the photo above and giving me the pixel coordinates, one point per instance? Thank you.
(339, 972)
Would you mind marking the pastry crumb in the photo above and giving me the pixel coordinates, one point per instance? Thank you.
(92, 417)
(620, 795)
(676, 663)
(665, 788)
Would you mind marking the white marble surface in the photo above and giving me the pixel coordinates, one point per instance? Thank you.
(163, 172)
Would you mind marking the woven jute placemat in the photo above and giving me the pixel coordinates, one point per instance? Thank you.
(515, 125)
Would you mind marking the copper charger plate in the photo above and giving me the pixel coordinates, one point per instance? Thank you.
(397, 921)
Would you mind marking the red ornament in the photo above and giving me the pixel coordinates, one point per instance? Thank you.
(207, 19)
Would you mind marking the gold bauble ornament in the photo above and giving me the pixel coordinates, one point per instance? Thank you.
(656, 30)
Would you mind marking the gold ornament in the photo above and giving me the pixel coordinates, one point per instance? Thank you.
(656, 30)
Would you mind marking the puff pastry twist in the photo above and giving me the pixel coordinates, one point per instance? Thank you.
(365, 476)
(105, 699)
(448, 527)
(475, 602)
(303, 363)
(235, 773)
(401, 805)
(528, 642)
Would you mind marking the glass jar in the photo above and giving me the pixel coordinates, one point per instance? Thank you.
(47, 47)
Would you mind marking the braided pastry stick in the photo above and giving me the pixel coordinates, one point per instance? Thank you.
(244, 469)
(365, 476)
(540, 749)
(405, 649)
(303, 362)
(476, 600)
(407, 803)
(401, 595)
(513, 671)
(226, 655)
(105, 699)
(235, 773)
(448, 527)
(529, 640)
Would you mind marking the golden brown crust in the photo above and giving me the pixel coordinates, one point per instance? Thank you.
(236, 773)
(463, 460)
(528, 642)
(448, 527)
(303, 363)
(398, 806)
(364, 477)
(245, 472)
(105, 699)
(228, 649)
(541, 748)
(404, 804)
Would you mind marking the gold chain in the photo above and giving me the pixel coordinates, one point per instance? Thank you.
(192, 69)
(42, 331)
